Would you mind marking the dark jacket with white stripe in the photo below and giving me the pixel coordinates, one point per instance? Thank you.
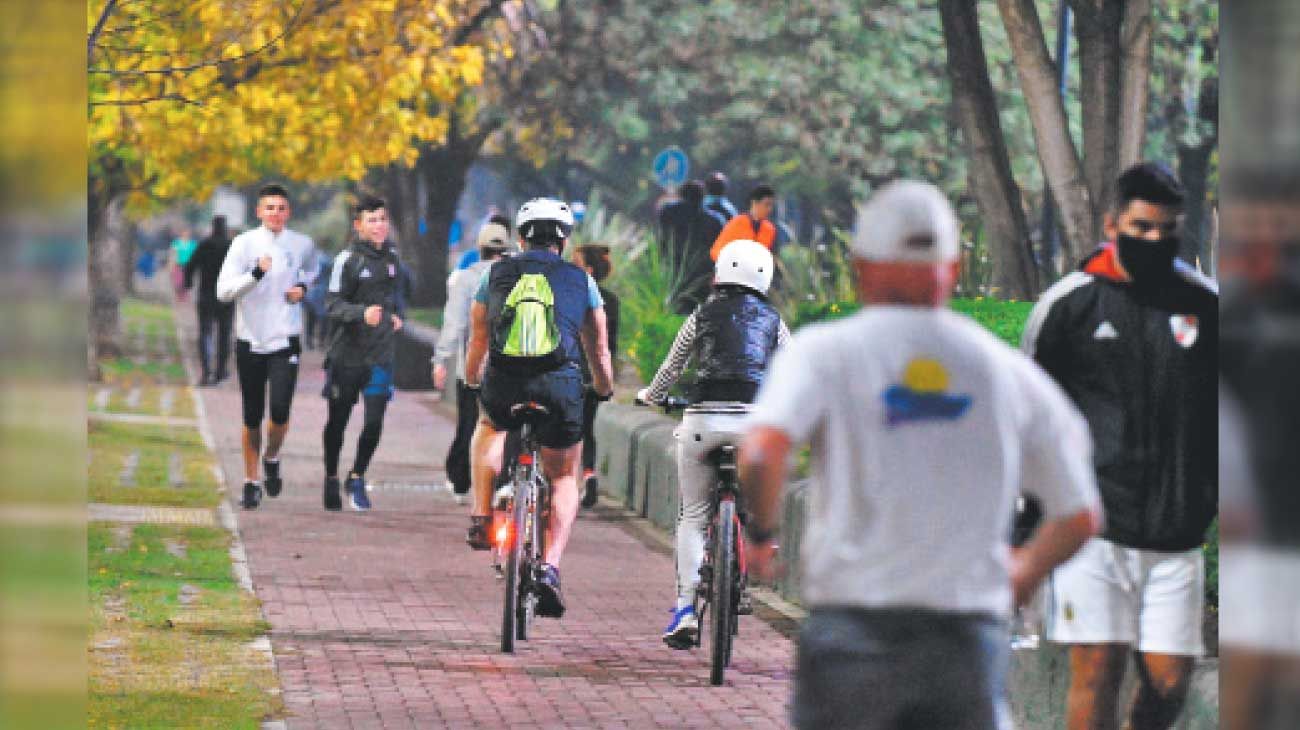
(363, 276)
(1140, 361)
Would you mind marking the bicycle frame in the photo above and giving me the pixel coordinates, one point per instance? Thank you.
(521, 538)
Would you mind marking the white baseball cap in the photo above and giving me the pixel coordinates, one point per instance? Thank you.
(906, 221)
(494, 235)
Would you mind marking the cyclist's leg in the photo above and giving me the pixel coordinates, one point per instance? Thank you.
(485, 463)
(561, 467)
(693, 480)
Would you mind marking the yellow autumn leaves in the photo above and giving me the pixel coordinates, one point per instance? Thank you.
(194, 93)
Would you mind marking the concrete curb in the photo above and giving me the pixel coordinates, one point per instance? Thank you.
(227, 516)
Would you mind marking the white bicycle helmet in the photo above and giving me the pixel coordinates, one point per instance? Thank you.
(747, 263)
(544, 218)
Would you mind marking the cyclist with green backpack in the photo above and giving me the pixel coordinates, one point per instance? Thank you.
(528, 317)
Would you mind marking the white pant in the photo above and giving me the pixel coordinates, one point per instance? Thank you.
(703, 428)
(1109, 593)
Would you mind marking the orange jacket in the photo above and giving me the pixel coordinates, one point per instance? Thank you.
(743, 226)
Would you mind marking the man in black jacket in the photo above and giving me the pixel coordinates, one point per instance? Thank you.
(364, 306)
(1132, 337)
(213, 313)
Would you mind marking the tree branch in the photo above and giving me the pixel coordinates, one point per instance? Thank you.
(99, 28)
(481, 17)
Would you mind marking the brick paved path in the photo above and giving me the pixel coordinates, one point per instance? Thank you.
(387, 619)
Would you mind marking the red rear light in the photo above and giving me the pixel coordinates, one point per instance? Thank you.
(503, 534)
(526, 459)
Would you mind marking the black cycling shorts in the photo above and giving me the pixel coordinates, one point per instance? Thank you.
(257, 371)
(560, 391)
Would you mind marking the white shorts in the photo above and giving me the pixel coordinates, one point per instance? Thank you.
(1259, 598)
(1153, 601)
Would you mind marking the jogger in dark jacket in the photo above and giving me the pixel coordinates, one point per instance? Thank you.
(1132, 337)
(363, 305)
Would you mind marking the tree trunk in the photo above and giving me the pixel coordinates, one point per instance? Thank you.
(990, 178)
(1056, 151)
(103, 260)
(1135, 96)
(1194, 170)
(1097, 29)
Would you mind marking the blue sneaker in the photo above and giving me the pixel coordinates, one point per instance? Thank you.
(681, 633)
(357, 497)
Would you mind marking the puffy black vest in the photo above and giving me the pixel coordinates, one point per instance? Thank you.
(736, 336)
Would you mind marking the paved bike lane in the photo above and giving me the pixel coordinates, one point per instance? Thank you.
(387, 619)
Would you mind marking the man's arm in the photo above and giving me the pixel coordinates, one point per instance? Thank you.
(1052, 544)
(595, 343)
(338, 297)
(674, 363)
(233, 282)
(478, 344)
(763, 457)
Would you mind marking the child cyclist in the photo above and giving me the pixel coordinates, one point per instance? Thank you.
(732, 335)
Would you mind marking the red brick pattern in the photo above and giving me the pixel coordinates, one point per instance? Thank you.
(387, 619)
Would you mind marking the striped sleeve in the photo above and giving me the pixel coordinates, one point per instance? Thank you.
(675, 363)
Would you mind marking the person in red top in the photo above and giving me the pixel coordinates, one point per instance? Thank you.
(753, 225)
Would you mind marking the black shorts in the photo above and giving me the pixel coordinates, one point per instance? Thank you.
(277, 369)
(347, 382)
(560, 391)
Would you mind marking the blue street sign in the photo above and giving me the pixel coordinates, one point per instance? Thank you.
(671, 167)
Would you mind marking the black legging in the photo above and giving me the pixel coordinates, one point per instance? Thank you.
(215, 320)
(340, 410)
(589, 405)
(457, 463)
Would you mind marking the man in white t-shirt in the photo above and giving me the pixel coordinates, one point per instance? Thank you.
(267, 271)
(924, 428)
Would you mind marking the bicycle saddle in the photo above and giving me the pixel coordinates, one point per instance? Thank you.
(529, 411)
(724, 455)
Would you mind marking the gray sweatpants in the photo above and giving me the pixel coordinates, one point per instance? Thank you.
(901, 669)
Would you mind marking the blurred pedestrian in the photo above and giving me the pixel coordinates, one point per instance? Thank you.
(687, 229)
(754, 224)
(315, 323)
(1132, 337)
(216, 318)
(715, 196)
(594, 259)
(923, 428)
(494, 242)
(182, 248)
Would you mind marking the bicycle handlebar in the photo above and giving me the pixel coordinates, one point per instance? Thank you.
(667, 405)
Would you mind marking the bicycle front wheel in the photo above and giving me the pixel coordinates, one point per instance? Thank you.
(723, 600)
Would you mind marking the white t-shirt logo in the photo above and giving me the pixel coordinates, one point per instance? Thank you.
(922, 395)
(365, 274)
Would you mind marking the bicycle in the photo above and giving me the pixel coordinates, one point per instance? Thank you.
(723, 574)
(520, 535)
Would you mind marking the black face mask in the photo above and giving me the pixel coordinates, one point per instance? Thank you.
(1145, 260)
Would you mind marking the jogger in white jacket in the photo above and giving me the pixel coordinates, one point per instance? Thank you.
(267, 271)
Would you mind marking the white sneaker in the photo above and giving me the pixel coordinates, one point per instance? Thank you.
(501, 498)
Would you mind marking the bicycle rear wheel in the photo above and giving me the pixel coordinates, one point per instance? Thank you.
(723, 600)
(515, 582)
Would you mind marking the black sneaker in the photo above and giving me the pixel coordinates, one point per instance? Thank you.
(745, 603)
(273, 481)
(477, 536)
(252, 495)
(549, 601)
(208, 380)
(333, 500)
(590, 491)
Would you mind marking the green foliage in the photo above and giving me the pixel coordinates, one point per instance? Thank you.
(646, 321)
(1002, 318)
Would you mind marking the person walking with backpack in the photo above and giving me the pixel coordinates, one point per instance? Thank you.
(528, 316)
(364, 306)
(733, 336)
